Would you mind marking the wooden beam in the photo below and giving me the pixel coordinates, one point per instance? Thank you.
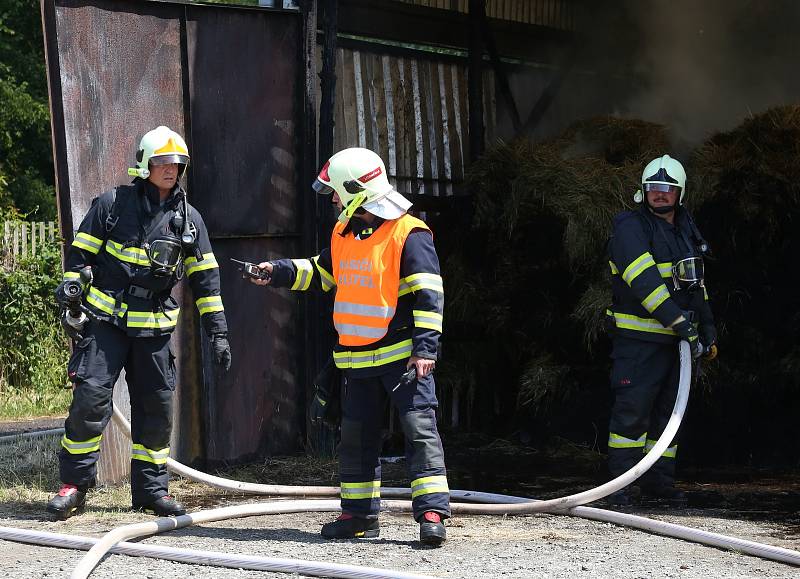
(477, 14)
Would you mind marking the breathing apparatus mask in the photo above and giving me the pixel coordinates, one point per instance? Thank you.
(688, 274)
(165, 256)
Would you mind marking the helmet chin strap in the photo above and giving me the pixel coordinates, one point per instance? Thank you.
(663, 210)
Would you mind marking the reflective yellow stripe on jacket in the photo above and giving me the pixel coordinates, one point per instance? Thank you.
(88, 242)
(637, 266)
(193, 266)
(630, 322)
(371, 358)
(209, 304)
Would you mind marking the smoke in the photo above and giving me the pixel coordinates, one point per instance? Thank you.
(704, 66)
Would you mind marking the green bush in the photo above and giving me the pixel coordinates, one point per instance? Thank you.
(35, 351)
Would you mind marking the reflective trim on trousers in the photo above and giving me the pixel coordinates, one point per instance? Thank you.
(618, 441)
(429, 484)
(81, 447)
(140, 452)
(360, 490)
(671, 452)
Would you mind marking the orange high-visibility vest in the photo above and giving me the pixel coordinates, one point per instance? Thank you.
(367, 273)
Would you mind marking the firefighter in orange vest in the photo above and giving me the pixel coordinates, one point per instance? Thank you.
(388, 315)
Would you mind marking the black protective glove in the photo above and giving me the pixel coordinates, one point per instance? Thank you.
(687, 331)
(326, 405)
(708, 335)
(222, 351)
(319, 407)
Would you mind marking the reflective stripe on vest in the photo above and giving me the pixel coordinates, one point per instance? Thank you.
(367, 276)
(105, 303)
(371, 358)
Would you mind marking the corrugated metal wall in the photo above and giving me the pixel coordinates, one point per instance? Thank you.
(552, 13)
(410, 110)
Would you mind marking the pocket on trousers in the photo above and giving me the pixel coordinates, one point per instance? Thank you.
(78, 362)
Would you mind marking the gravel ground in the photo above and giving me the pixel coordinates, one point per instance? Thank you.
(524, 546)
(751, 507)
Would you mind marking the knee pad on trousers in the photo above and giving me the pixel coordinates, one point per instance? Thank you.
(89, 412)
(419, 427)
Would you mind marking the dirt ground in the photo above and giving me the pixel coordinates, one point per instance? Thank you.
(754, 507)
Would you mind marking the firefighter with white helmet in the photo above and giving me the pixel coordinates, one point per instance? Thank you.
(134, 244)
(659, 296)
(389, 299)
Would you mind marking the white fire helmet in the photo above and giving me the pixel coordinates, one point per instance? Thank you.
(359, 178)
(161, 146)
(663, 172)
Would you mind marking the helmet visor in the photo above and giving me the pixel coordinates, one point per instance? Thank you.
(689, 270)
(662, 188)
(164, 253)
(169, 159)
(321, 188)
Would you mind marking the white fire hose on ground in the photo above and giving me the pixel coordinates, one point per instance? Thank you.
(503, 504)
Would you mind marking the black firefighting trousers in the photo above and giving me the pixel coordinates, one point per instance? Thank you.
(644, 382)
(150, 373)
(363, 404)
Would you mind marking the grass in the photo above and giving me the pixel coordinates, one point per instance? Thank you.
(18, 403)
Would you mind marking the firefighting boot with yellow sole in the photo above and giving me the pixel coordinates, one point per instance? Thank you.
(69, 501)
(350, 527)
(431, 529)
(164, 506)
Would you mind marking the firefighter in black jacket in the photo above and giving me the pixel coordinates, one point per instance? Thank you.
(382, 264)
(659, 297)
(137, 241)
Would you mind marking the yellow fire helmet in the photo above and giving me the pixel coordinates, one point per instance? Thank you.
(161, 146)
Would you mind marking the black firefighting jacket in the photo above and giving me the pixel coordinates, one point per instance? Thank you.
(642, 251)
(415, 328)
(125, 290)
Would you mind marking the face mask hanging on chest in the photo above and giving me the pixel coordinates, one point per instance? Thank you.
(688, 274)
(164, 256)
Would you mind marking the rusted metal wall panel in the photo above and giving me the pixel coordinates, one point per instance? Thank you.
(227, 79)
(243, 91)
(111, 89)
(244, 137)
(413, 112)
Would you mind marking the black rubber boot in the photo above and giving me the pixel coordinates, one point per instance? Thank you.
(665, 494)
(625, 497)
(350, 527)
(164, 506)
(431, 529)
(69, 501)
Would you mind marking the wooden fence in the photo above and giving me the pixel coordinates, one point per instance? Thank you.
(412, 112)
(21, 239)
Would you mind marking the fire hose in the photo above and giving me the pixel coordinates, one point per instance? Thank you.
(491, 504)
